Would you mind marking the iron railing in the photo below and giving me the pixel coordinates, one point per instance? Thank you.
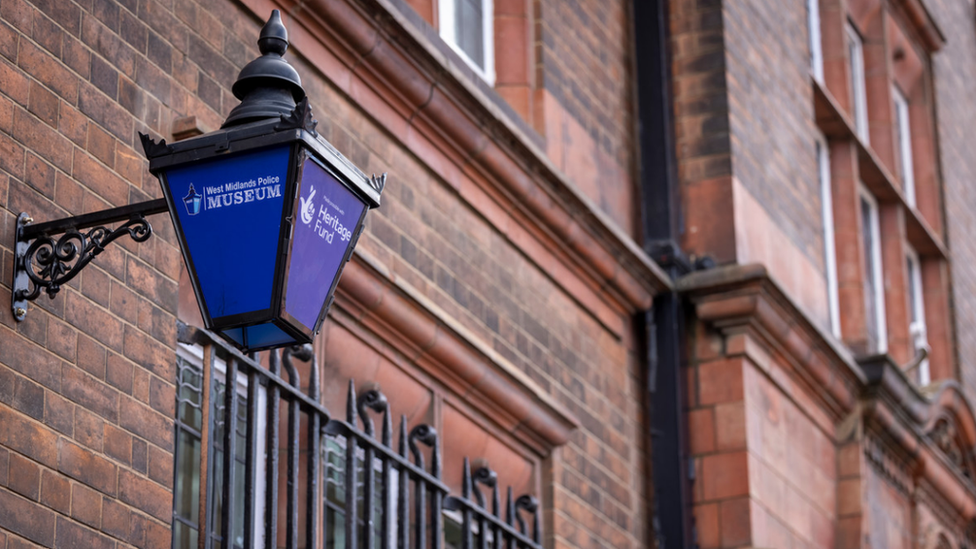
(341, 485)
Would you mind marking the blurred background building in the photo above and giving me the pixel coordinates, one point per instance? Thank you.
(688, 273)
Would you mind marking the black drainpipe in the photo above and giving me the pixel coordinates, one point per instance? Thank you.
(663, 328)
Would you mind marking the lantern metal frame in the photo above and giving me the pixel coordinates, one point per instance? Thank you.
(298, 132)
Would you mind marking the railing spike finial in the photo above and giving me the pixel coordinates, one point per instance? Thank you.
(531, 505)
(274, 361)
(351, 404)
(510, 509)
(425, 434)
(435, 458)
(494, 501)
(485, 476)
(403, 436)
(466, 480)
(373, 399)
(293, 378)
(305, 353)
(387, 429)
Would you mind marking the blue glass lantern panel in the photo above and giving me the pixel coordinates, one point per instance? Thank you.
(325, 225)
(230, 213)
(260, 337)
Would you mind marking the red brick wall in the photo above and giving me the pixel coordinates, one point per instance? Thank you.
(473, 262)
(702, 128)
(586, 63)
(564, 70)
(954, 70)
(766, 466)
(771, 117)
(86, 383)
(752, 195)
(583, 73)
(745, 136)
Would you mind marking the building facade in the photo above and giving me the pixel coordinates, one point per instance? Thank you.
(492, 297)
(821, 162)
(684, 274)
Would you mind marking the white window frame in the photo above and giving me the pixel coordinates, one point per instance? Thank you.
(877, 274)
(194, 355)
(827, 214)
(917, 327)
(816, 42)
(446, 10)
(859, 99)
(904, 128)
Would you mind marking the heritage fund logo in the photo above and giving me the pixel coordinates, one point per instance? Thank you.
(308, 207)
(327, 223)
(233, 194)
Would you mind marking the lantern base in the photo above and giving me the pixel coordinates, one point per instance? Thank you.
(260, 337)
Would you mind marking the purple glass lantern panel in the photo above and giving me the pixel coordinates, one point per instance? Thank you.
(325, 225)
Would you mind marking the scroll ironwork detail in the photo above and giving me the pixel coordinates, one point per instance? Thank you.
(51, 263)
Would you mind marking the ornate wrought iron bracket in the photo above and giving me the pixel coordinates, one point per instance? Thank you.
(45, 261)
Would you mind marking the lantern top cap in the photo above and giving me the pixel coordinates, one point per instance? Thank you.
(267, 86)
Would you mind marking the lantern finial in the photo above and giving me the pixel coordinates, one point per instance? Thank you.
(274, 36)
(268, 87)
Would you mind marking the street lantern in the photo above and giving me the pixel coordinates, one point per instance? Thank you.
(266, 211)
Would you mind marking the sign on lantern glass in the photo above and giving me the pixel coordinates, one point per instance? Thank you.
(328, 214)
(263, 268)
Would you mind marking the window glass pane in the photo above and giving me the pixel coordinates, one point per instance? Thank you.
(217, 498)
(218, 465)
(827, 216)
(469, 21)
(452, 532)
(187, 490)
(335, 493)
(184, 537)
(858, 93)
(899, 128)
(813, 24)
(334, 448)
(852, 54)
(870, 270)
(189, 395)
(903, 142)
(912, 289)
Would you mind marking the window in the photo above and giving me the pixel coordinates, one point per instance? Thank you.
(916, 304)
(827, 214)
(859, 107)
(188, 472)
(903, 144)
(813, 28)
(874, 315)
(189, 420)
(467, 26)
